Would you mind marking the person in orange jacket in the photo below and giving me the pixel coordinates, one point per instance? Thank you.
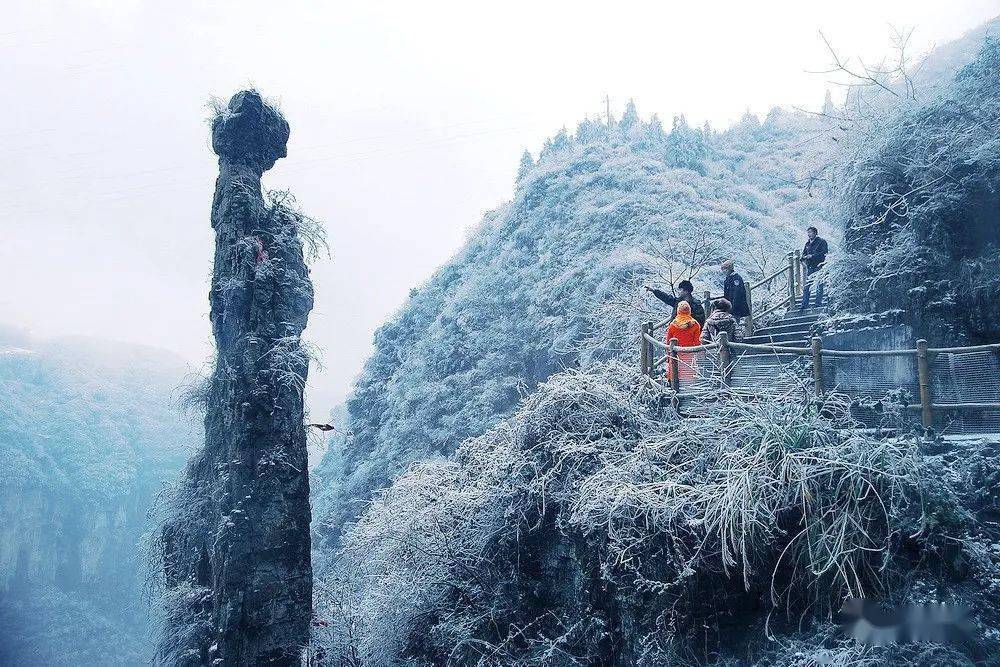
(687, 331)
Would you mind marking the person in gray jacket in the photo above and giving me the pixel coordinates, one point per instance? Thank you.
(720, 320)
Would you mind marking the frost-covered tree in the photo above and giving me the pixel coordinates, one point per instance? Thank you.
(560, 142)
(590, 130)
(919, 205)
(686, 146)
(527, 162)
(828, 107)
(629, 120)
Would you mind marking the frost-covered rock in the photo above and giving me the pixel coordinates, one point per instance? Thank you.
(236, 549)
(920, 204)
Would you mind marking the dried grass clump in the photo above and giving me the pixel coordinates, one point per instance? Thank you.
(596, 525)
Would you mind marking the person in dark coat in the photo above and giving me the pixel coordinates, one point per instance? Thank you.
(814, 255)
(685, 293)
(734, 290)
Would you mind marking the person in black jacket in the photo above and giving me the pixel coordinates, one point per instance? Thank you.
(734, 290)
(814, 255)
(686, 293)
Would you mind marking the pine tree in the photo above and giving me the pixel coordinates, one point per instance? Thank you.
(555, 144)
(686, 146)
(562, 140)
(630, 119)
(749, 120)
(527, 164)
(589, 130)
(829, 110)
(654, 130)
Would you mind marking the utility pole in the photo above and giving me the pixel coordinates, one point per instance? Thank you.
(607, 108)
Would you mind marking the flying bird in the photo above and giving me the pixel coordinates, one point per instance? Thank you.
(323, 427)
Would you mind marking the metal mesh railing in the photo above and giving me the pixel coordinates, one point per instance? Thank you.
(869, 380)
(964, 379)
(871, 377)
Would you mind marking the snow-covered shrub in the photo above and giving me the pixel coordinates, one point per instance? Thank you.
(187, 624)
(594, 526)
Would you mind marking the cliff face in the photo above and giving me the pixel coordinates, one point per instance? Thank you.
(919, 206)
(237, 552)
(89, 432)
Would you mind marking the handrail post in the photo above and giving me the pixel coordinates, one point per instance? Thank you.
(749, 327)
(725, 357)
(798, 273)
(707, 302)
(924, 378)
(802, 276)
(675, 377)
(817, 364)
(645, 362)
(791, 281)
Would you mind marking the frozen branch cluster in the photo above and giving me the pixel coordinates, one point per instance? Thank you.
(594, 526)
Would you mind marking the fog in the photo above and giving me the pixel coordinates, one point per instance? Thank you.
(408, 120)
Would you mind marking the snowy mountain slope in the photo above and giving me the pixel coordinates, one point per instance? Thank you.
(529, 293)
(89, 433)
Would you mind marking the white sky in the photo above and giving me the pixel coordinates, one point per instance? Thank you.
(408, 120)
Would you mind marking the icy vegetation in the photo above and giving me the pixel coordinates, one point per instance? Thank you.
(503, 486)
(595, 526)
(919, 198)
(549, 505)
(89, 431)
(552, 279)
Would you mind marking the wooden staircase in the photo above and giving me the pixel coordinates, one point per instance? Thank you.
(757, 368)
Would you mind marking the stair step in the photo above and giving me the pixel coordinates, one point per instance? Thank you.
(790, 337)
(808, 311)
(795, 316)
(776, 370)
(769, 371)
(783, 327)
(775, 353)
(776, 363)
(764, 381)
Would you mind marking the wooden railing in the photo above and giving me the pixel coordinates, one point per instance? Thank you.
(728, 360)
(794, 276)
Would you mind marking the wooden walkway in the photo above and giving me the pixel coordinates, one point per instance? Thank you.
(942, 381)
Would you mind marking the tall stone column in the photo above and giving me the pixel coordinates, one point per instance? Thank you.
(242, 530)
